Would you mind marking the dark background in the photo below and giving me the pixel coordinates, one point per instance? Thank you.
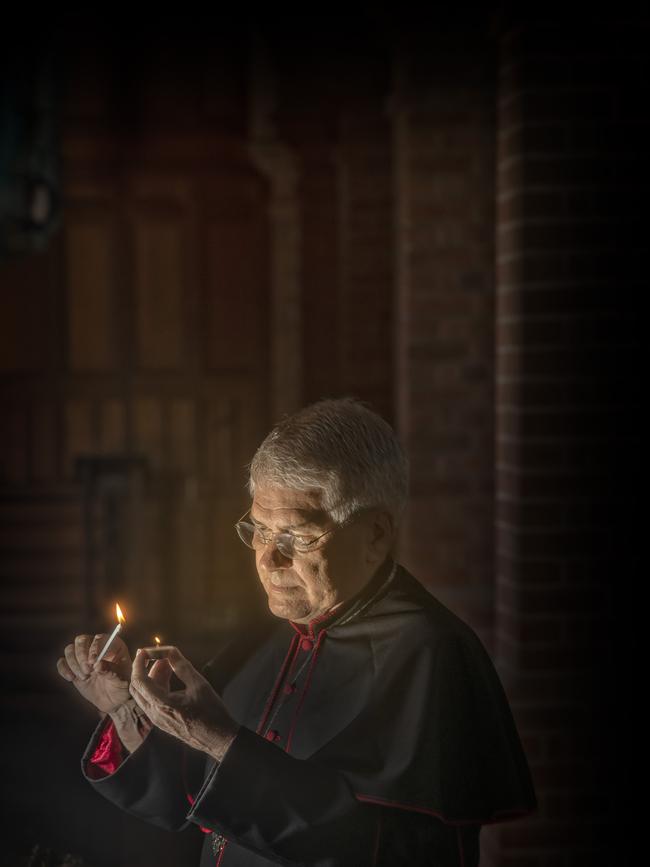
(209, 222)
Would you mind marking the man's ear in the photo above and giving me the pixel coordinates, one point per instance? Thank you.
(381, 531)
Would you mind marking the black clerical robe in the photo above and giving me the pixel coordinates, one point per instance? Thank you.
(379, 734)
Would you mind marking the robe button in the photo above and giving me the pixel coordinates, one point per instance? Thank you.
(272, 735)
(306, 644)
(289, 688)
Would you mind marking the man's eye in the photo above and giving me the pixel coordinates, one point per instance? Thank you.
(303, 541)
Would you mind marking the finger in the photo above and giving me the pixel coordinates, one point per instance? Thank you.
(161, 673)
(146, 686)
(64, 669)
(96, 645)
(117, 652)
(139, 666)
(81, 645)
(73, 662)
(182, 667)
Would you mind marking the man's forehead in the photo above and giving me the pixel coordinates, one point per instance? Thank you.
(288, 506)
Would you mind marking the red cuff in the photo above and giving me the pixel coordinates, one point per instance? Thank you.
(108, 756)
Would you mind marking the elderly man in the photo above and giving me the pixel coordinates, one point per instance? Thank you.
(367, 727)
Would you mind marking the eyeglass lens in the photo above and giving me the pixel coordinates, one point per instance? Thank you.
(250, 535)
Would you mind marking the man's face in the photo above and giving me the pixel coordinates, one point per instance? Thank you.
(308, 585)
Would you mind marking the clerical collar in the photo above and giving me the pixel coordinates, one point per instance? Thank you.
(353, 606)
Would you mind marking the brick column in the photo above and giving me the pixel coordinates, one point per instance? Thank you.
(443, 121)
(568, 264)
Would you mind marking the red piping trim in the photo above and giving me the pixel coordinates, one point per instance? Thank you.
(459, 840)
(276, 688)
(497, 816)
(220, 858)
(310, 626)
(319, 640)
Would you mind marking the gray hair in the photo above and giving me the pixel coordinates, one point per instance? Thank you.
(342, 447)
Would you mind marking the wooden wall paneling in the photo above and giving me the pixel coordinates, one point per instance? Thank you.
(79, 432)
(90, 255)
(112, 427)
(40, 541)
(148, 430)
(44, 441)
(28, 338)
(231, 581)
(231, 295)
(143, 565)
(189, 573)
(253, 403)
(162, 279)
(158, 294)
(221, 421)
(236, 418)
(235, 278)
(236, 421)
(14, 426)
(182, 436)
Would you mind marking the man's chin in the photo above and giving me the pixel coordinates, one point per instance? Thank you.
(288, 609)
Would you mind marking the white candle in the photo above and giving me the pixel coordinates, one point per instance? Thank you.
(108, 643)
(120, 618)
(158, 651)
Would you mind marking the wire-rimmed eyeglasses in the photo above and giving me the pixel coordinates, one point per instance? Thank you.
(287, 543)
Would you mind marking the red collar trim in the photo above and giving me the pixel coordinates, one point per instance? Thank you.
(314, 626)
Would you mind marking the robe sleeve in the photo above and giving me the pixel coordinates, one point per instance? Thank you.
(284, 808)
(154, 783)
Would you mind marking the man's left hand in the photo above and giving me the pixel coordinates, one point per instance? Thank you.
(195, 714)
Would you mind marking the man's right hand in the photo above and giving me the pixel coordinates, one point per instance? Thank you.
(104, 684)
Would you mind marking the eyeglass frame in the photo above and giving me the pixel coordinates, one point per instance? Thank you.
(274, 536)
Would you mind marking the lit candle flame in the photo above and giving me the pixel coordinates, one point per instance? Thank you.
(118, 613)
(157, 640)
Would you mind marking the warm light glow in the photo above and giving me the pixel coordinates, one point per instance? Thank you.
(118, 613)
(156, 639)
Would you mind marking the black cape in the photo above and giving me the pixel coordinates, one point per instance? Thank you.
(385, 719)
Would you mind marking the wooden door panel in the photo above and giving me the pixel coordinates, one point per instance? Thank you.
(90, 302)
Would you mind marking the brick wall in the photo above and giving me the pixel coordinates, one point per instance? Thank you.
(443, 109)
(568, 171)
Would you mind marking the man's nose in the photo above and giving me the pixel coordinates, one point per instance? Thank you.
(273, 558)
